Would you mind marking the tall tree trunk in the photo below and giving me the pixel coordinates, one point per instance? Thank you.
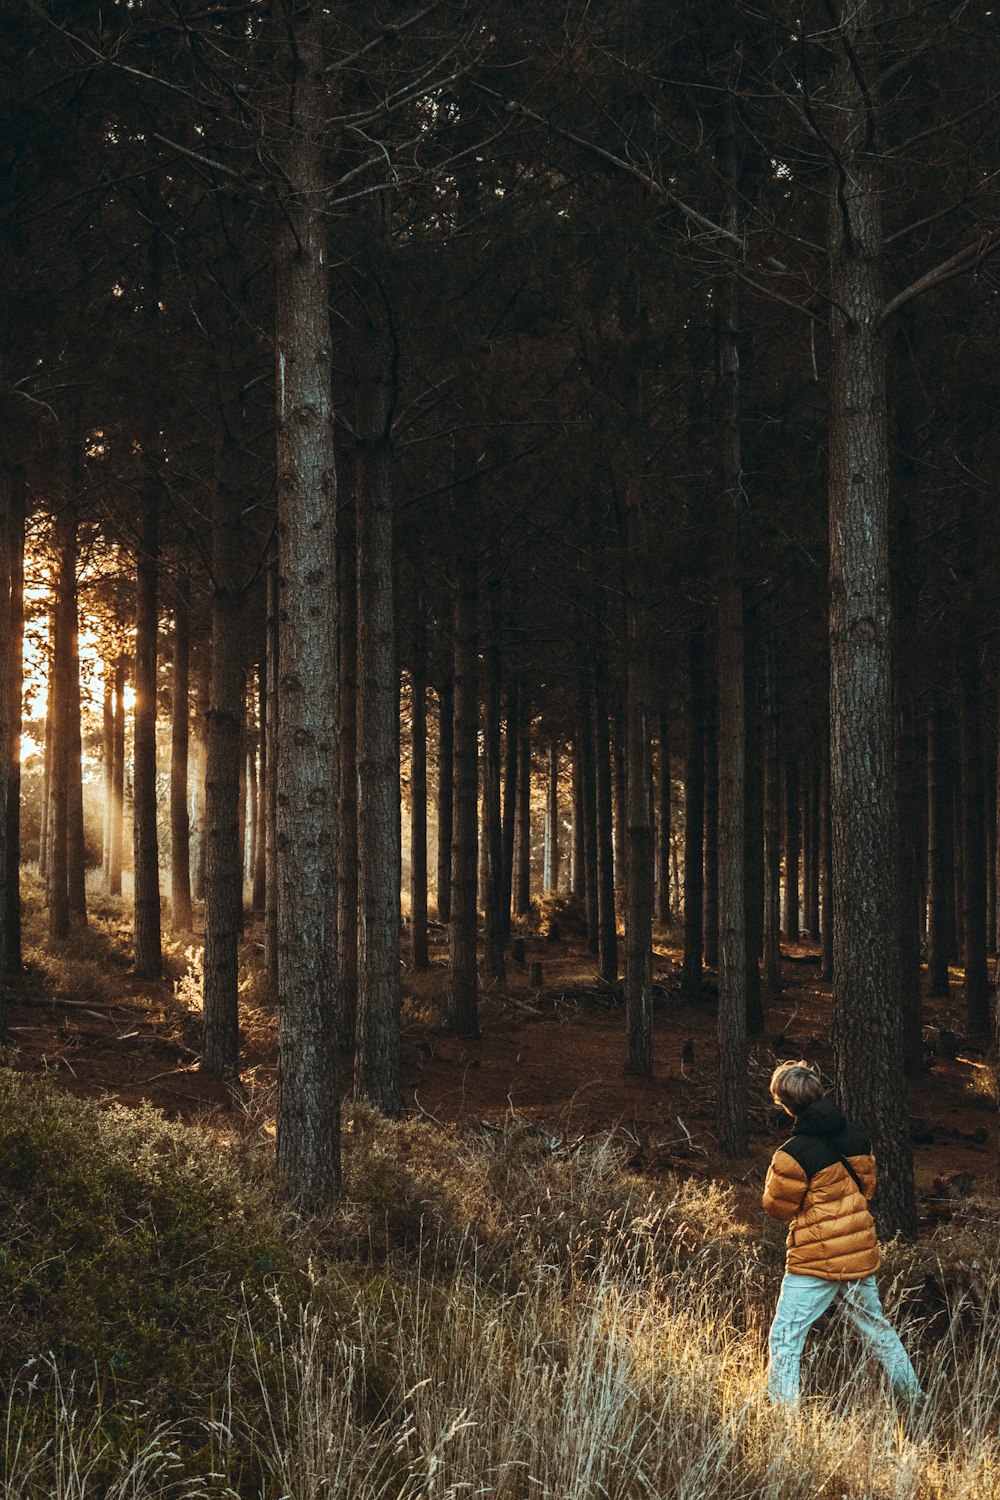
(694, 817)
(180, 824)
(607, 927)
(977, 993)
(223, 854)
(271, 799)
(146, 903)
(711, 889)
(772, 824)
(45, 831)
(7, 872)
(576, 866)
(553, 849)
(663, 911)
(347, 848)
(731, 766)
(259, 895)
(638, 809)
(616, 736)
(57, 892)
(446, 790)
(419, 956)
(793, 846)
(308, 1123)
(511, 742)
(14, 636)
(493, 956)
(866, 1022)
(754, 863)
(117, 783)
(591, 840)
(76, 853)
(108, 758)
(200, 731)
(376, 1064)
(522, 848)
(908, 854)
(826, 864)
(464, 993)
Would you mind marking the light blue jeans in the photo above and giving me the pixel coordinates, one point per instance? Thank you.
(802, 1300)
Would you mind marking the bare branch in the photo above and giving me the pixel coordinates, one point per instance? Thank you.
(947, 270)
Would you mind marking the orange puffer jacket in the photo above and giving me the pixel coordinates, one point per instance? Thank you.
(831, 1231)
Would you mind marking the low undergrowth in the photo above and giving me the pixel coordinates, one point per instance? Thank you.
(499, 1313)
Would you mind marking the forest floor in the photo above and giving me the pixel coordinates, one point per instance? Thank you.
(549, 1054)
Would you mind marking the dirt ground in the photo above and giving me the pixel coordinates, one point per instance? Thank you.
(551, 1053)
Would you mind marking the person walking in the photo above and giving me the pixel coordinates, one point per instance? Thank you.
(820, 1183)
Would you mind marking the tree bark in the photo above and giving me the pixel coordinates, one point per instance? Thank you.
(866, 1022)
(694, 818)
(663, 908)
(224, 726)
(259, 891)
(146, 903)
(308, 1122)
(754, 862)
(553, 861)
(793, 846)
(7, 872)
(511, 741)
(419, 955)
(180, 825)
(347, 848)
(76, 853)
(711, 888)
(638, 809)
(446, 790)
(591, 840)
(14, 636)
(463, 992)
(494, 966)
(607, 926)
(522, 847)
(772, 825)
(57, 891)
(117, 783)
(977, 993)
(271, 799)
(376, 1063)
(45, 831)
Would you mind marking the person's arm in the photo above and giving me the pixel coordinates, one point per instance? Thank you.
(784, 1188)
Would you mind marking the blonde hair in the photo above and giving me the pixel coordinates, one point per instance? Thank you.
(796, 1084)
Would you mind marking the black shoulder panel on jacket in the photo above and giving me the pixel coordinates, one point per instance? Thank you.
(815, 1152)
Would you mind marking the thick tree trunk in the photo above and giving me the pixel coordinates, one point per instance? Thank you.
(867, 1031)
(694, 818)
(45, 831)
(7, 872)
(663, 908)
(977, 992)
(607, 926)
(180, 824)
(463, 989)
(493, 955)
(376, 1064)
(201, 756)
(117, 783)
(511, 741)
(419, 956)
(793, 846)
(347, 847)
(308, 1123)
(146, 903)
(445, 790)
(522, 846)
(223, 854)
